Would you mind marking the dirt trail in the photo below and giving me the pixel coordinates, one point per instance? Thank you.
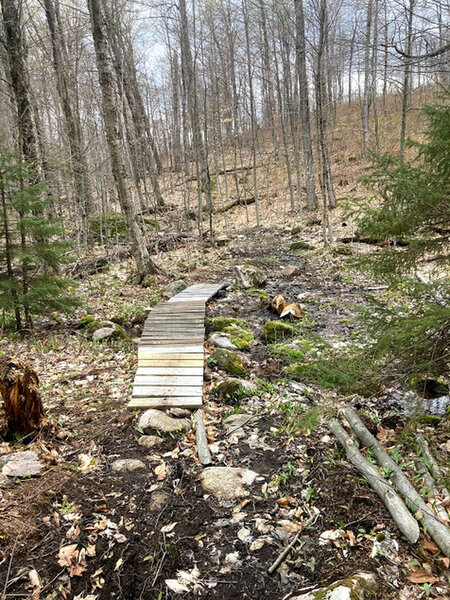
(130, 534)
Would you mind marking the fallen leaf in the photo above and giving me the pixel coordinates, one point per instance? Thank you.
(68, 554)
(257, 544)
(289, 526)
(421, 576)
(176, 586)
(431, 546)
(168, 528)
(35, 582)
(243, 533)
(118, 564)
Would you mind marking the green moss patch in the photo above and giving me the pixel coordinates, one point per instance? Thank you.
(240, 337)
(229, 361)
(301, 246)
(274, 331)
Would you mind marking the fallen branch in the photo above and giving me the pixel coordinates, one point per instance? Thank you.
(395, 505)
(432, 463)
(201, 439)
(289, 547)
(437, 530)
(372, 241)
(230, 205)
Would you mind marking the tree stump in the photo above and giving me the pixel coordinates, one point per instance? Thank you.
(23, 411)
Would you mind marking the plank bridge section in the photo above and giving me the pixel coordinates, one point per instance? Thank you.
(170, 353)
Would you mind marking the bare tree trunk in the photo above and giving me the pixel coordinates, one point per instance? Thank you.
(406, 75)
(72, 119)
(187, 66)
(126, 74)
(16, 52)
(367, 78)
(326, 185)
(300, 47)
(252, 109)
(111, 119)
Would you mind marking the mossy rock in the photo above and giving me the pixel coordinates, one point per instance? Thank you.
(232, 389)
(341, 251)
(86, 321)
(220, 323)
(229, 361)
(274, 331)
(240, 337)
(301, 246)
(119, 331)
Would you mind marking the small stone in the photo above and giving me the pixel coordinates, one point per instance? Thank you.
(290, 271)
(174, 288)
(150, 441)
(156, 419)
(226, 483)
(21, 464)
(128, 464)
(158, 500)
(249, 276)
(221, 340)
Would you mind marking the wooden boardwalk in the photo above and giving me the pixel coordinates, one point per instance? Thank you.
(170, 353)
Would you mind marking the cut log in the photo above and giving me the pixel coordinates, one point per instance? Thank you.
(436, 529)
(201, 439)
(19, 388)
(431, 462)
(395, 505)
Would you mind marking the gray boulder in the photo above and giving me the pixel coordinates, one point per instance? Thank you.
(249, 276)
(20, 464)
(221, 340)
(156, 419)
(226, 483)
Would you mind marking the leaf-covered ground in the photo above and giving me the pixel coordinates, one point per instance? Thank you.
(82, 530)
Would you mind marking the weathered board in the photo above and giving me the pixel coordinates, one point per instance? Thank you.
(170, 352)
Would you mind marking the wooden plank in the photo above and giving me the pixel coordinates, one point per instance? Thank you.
(169, 380)
(148, 391)
(177, 371)
(196, 349)
(178, 344)
(164, 402)
(201, 439)
(183, 332)
(177, 362)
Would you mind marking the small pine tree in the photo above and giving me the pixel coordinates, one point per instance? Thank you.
(32, 248)
(413, 330)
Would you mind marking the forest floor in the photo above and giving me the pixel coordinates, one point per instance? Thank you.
(126, 534)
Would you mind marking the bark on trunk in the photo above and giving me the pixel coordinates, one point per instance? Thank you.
(111, 119)
(300, 47)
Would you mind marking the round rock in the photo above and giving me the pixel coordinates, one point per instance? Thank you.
(128, 464)
(226, 483)
(156, 419)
